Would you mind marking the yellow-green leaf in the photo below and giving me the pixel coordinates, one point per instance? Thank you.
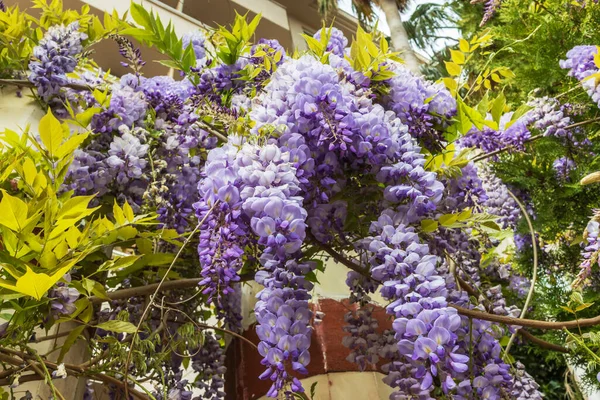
(463, 45)
(429, 225)
(118, 326)
(29, 171)
(128, 212)
(36, 285)
(76, 208)
(14, 212)
(452, 68)
(51, 132)
(457, 56)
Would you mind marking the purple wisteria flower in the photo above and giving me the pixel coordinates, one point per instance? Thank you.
(337, 41)
(55, 57)
(423, 106)
(581, 65)
(563, 167)
(198, 42)
(590, 252)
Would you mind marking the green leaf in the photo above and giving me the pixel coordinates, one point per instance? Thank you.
(140, 15)
(117, 326)
(70, 341)
(448, 219)
(498, 107)
(429, 225)
(313, 390)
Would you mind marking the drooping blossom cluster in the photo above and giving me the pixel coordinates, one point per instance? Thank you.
(421, 105)
(581, 65)
(337, 42)
(490, 8)
(524, 386)
(363, 340)
(55, 57)
(591, 251)
(563, 167)
(255, 188)
(425, 326)
(499, 201)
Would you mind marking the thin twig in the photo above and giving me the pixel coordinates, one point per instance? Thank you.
(152, 297)
(535, 269)
(485, 156)
(151, 288)
(28, 84)
(212, 130)
(524, 333)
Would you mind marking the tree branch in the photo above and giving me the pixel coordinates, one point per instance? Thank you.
(149, 289)
(531, 139)
(26, 83)
(480, 314)
(531, 323)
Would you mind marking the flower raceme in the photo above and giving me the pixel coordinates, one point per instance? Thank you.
(317, 131)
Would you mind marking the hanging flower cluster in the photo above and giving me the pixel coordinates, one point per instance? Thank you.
(264, 149)
(55, 57)
(582, 65)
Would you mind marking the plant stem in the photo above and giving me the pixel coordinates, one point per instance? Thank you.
(152, 297)
(535, 269)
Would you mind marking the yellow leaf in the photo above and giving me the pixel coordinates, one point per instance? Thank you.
(14, 212)
(36, 285)
(48, 259)
(457, 56)
(70, 145)
(29, 170)
(51, 132)
(463, 45)
(76, 208)
(452, 68)
(61, 249)
(450, 83)
(118, 214)
(128, 212)
(72, 236)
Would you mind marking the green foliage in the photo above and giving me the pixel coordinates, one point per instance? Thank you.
(46, 233)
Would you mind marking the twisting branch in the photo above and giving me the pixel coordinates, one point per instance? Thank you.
(26, 83)
(464, 311)
(531, 323)
(212, 130)
(149, 289)
(525, 334)
(485, 156)
(9, 356)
